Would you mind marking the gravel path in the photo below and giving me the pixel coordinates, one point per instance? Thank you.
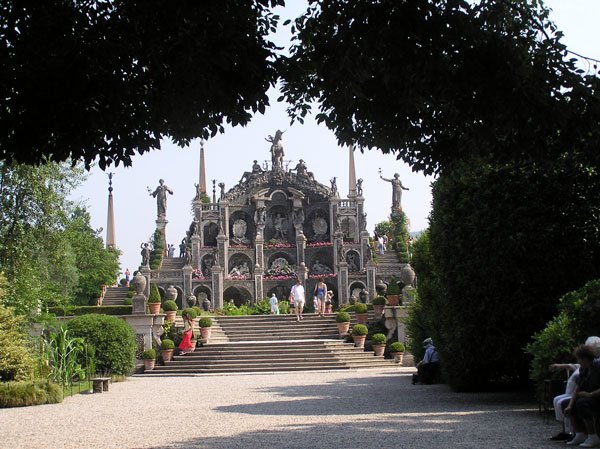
(356, 409)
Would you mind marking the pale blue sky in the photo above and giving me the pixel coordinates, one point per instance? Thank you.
(230, 154)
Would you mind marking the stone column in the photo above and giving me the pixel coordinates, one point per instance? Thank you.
(161, 226)
(259, 247)
(196, 250)
(217, 284)
(364, 248)
(338, 250)
(343, 283)
(187, 282)
(258, 283)
(223, 246)
(300, 248)
(303, 275)
(371, 270)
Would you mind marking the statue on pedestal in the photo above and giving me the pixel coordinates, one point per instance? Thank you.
(397, 189)
(146, 248)
(160, 193)
(276, 150)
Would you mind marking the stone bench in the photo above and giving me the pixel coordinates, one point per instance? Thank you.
(100, 384)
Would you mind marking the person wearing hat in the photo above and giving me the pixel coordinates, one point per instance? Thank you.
(428, 369)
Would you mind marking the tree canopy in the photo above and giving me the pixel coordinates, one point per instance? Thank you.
(430, 80)
(105, 78)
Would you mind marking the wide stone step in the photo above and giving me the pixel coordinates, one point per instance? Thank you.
(242, 370)
(272, 365)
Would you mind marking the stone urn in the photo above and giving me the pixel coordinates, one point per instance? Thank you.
(171, 293)
(343, 328)
(379, 349)
(359, 340)
(380, 287)
(166, 354)
(407, 275)
(191, 300)
(139, 282)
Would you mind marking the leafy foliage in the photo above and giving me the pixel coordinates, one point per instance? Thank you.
(112, 338)
(437, 82)
(33, 392)
(154, 294)
(85, 310)
(167, 343)
(506, 242)
(360, 329)
(107, 78)
(397, 347)
(205, 322)
(149, 354)
(16, 362)
(378, 339)
(342, 317)
(169, 306)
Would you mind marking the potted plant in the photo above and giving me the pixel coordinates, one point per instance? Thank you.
(170, 308)
(361, 313)
(205, 324)
(154, 300)
(393, 292)
(149, 356)
(378, 341)
(397, 351)
(167, 346)
(342, 320)
(359, 335)
(379, 305)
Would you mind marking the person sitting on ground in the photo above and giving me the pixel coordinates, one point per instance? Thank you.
(428, 369)
(585, 401)
(561, 401)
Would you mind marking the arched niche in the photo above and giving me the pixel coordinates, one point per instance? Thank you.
(210, 233)
(241, 228)
(202, 292)
(321, 262)
(355, 288)
(206, 263)
(240, 265)
(281, 290)
(239, 295)
(349, 228)
(316, 226)
(353, 261)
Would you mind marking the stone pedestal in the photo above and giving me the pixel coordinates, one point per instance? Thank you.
(371, 271)
(217, 284)
(394, 322)
(222, 245)
(258, 284)
(303, 275)
(260, 251)
(139, 305)
(300, 248)
(343, 283)
(196, 251)
(146, 327)
(187, 281)
(161, 226)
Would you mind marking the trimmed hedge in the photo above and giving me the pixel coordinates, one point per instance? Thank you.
(113, 340)
(342, 317)
(85, 310)
(360, 329)
(359, 307)
(378, 339)
(379, 301)
(33, 392)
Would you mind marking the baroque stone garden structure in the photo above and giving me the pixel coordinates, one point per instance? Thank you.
(275, 225)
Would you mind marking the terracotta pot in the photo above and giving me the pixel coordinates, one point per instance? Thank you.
(398, 357)
(149, 364)
(393, 300)
(361, 318)
(154, 308)
(378, 310)
(167, 354)
(379, 349)
(194, 342)
(139, 282)
(205, 333)
(359, 340)
(343, 328)
(171, 315)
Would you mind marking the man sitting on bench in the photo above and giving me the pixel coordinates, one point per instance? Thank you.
(428, 369)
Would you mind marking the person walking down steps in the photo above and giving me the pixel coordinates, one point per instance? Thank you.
(274, 303)
(298, 296)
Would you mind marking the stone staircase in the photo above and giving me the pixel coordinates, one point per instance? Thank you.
(115, 296)
(172, 263)
(388, 265)
(217, 335)
(272, 343)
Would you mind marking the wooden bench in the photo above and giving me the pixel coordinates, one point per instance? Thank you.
(100, 384)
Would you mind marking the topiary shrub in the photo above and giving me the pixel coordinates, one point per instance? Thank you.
(170, 306)
(393, 288)
(379, 301)
(205, 322)
(33, 392)
(16, 362)
(378, 339)
(360, 329)
(360, 308)
(112, 338)
(198, 310)
(191, 312)
(128, 301)
(397, 347)
(149, 354)
(167, 344)
(342, 317)
(154, 294)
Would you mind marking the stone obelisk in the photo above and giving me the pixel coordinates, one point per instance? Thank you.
(202, 171)
(351, 172)
(110, 219)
